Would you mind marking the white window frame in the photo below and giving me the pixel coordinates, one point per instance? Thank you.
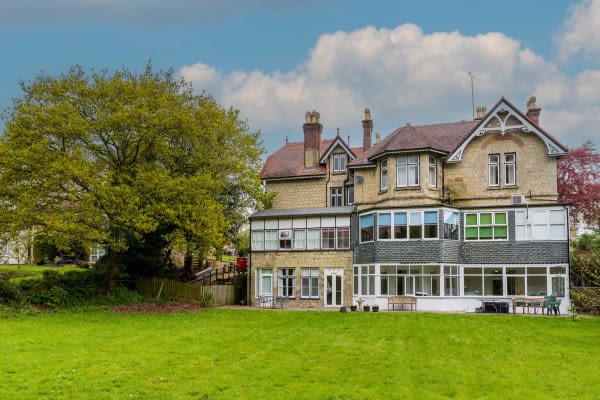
(404, 166)
(510, 169)
(271, 239)
(258, 240)
(372, 226)
(383, 175)
(339, 162)
(260, 290)
(480, 225)
(285, 235)
(313, 238)
(432, 172)
(337, 196)
(324, 238)
(342, 241)
(350, 195)
(307, 281)
(494, 169)
(529, 227)
(286, 280)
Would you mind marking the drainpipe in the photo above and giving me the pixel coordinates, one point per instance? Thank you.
(249, 284)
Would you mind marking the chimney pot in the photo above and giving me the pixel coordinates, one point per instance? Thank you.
(367, 124)
(533, 112)
(312, 139)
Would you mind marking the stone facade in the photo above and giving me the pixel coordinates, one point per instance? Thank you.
(305, 259)
(288, 193)
(467, 181)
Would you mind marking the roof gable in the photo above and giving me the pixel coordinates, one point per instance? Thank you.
(338, 141)
(506, 118)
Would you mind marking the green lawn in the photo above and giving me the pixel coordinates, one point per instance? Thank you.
(274, 354)
(17, 273)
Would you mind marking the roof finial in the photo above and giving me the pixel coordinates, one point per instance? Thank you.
(338, 131)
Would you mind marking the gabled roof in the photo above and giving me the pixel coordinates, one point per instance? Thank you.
(338, 141)
(505, 117)
(440, 138)
(288, 162)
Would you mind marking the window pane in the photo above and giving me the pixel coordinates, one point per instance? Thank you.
(485, 219)
(500, 232)
(471, 219)
(415, 218)
(431, 231)
(471, 233)
(431, 217)
(385, 219)
(500, 218)
(400, 218)
(400, 231)
(485, 232)
(415, 231)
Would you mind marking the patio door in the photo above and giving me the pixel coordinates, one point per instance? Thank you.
(334, 286)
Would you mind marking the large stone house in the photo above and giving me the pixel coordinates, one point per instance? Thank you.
(454, 213)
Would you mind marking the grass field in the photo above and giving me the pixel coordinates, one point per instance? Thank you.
(273, 354)
(20, 272)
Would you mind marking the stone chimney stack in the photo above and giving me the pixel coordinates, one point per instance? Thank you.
(533, 113)
(312, 139)
(480, 113)
(377, 138)
(367, 130)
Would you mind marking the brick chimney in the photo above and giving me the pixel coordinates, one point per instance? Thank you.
(533, 113)
(481, 112)
(312, 139)
(367, 130)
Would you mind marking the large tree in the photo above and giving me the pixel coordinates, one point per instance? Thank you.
(579, 184)
(123, 160)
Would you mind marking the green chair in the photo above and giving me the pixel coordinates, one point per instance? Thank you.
(549, 302)
(557, 307)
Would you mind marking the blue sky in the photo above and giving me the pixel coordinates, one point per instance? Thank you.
(274, 60)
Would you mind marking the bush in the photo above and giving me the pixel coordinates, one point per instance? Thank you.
(9, 293)
(207, 299)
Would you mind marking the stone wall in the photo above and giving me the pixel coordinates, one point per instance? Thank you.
(303, 259)
(535, 171)
(299, 193)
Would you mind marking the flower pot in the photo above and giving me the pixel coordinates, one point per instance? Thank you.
(375, 308)
(353, 308)
(343, 309)
(366, 308)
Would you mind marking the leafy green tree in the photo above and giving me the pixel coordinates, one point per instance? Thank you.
(129, 161)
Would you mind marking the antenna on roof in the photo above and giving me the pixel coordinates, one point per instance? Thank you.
(472, 94)
(286, 140)
(348, 140)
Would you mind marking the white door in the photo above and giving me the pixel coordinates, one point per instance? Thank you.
(334, 287)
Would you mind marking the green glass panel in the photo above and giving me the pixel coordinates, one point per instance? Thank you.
(485, 232)
(471, 233)
(485, 219)
(500, 232)
(501, 219)
(471, 219)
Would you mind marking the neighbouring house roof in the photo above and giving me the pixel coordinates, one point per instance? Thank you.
(288, 162)
(302, 212)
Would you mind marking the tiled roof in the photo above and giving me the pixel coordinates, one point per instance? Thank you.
(288, 161)
(437, 137)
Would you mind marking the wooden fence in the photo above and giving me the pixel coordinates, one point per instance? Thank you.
(157, 287)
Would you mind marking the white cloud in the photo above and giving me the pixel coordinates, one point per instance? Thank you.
(403, 75)
(581, 31)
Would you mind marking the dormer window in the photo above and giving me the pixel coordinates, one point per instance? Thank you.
(339, 162)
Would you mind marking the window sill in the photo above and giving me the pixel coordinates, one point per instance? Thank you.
(338, 172)
(382, 191)
(403, 188)
(511, 187)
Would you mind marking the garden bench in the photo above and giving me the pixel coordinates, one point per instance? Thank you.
(402, 300)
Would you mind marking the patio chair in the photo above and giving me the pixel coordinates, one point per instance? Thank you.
(556, 307)
(549, 302)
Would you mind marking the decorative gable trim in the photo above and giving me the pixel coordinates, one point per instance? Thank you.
(506, 118)
(337, 142)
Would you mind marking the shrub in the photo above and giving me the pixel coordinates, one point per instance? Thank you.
(9, 293)
(207, 299)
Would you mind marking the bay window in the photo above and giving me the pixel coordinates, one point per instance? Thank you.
(407, 171)
(384, 226)
(366, 228)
